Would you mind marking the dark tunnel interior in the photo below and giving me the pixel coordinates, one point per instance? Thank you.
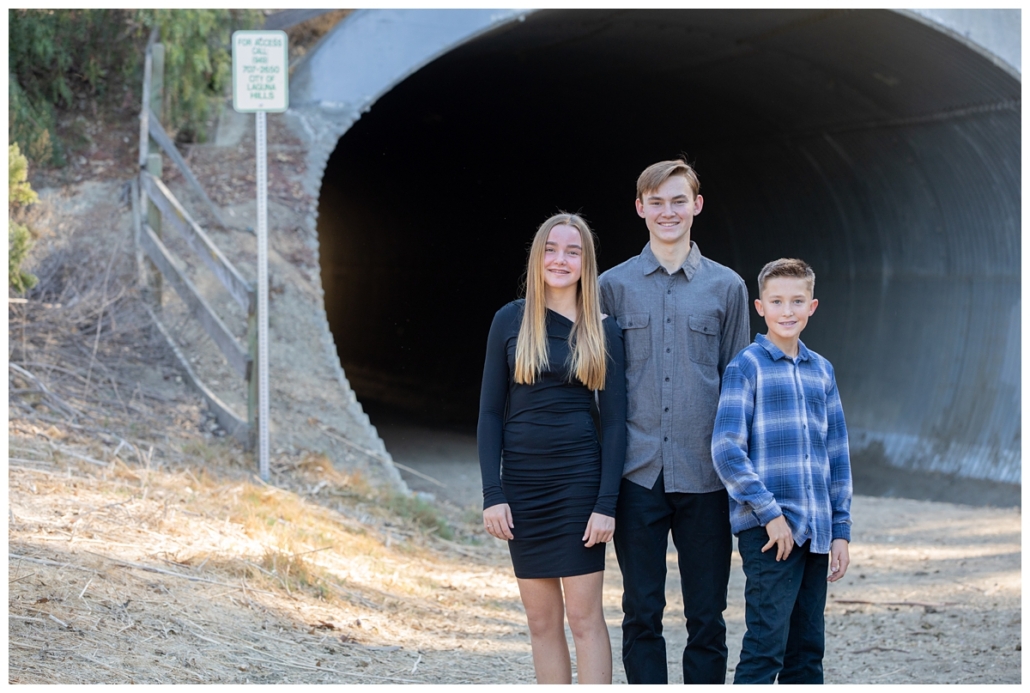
(880, 150)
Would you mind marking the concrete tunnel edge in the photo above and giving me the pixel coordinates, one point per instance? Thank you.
(322, 113)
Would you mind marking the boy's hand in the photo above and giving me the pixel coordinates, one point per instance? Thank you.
(781, 537)
(498, 522)
(839, 559)
(600, 529)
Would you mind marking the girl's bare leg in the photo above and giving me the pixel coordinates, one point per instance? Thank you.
(589, 631)
(545, 611)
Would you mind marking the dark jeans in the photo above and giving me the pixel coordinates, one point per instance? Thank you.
(785, 601)
(700, 527)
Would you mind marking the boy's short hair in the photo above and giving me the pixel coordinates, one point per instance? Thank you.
(787, 267)
(654, 175)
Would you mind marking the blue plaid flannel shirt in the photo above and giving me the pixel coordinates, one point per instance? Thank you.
(780, 445)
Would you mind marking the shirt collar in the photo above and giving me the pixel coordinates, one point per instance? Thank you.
(650, 262)
(776, 353)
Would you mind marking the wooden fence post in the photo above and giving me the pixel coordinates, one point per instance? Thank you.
(154, 222)
(154, 161)
(157, 86)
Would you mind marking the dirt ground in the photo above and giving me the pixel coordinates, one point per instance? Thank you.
(178, 566)
(933, 594)
(142, 552)
(143, 549)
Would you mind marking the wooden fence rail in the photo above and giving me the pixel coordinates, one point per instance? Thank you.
(164, 210)
(199, 308)
(161, 137)
(172, 212)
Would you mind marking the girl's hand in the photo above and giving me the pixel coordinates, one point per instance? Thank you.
(498, 522)
(600, 529)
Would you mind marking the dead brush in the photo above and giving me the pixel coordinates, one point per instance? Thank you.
(291, 570)
(80, 325)
(79, 347)
(314, 474)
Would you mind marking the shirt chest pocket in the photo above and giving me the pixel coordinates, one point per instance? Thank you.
(815, 403)
(636, 335)
(703, 339)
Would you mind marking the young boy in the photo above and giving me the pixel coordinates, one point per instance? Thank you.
(684, 317)
(781, 448)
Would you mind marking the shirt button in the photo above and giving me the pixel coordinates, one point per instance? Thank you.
(669, 291)
(666, 439)
(666, 378)
(668, 319)
(668, 350)
(666, 409)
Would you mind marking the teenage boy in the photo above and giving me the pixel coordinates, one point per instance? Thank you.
(781, 448)
(684, 317)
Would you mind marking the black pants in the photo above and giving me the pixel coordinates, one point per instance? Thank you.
(785, 602)
(700, 527)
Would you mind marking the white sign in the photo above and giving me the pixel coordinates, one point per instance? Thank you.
(260, 72)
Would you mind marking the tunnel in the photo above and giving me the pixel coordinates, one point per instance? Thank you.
(879, 146)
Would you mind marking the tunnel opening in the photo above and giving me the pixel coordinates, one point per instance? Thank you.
(881, 150)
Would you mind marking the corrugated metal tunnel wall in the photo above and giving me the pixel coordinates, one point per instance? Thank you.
(881, 148)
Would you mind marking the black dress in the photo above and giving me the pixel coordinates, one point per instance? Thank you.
(556, 471)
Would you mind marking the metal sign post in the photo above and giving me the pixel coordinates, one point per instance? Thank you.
(260, 76)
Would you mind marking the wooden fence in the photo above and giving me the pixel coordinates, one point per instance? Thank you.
(157, 264)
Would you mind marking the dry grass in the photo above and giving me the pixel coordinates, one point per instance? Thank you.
(197, 572)
(188, 574)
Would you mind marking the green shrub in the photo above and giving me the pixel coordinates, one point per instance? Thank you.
(30, 124)
(19, 238)
(62, 59)
(57, 58)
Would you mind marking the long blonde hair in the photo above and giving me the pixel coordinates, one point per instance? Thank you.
(586, 339)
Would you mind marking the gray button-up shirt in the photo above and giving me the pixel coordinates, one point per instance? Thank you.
(680, 330)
